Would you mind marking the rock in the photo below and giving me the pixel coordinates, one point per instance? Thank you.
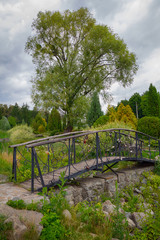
(67, 214)
(122, 200)
(93, 235)
(128, 215)
(136, 190)
(15, 199)
(131, 224)
(25, 217)
(138, 218)
(18, 227)
(107, 206)
(107, 215)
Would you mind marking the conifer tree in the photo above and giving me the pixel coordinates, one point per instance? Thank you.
(95, 110)
(153, 102)
(54, 121)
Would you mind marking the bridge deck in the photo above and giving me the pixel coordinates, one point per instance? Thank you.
(52, 178)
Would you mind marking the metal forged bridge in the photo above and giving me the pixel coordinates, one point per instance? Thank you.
(42, 161)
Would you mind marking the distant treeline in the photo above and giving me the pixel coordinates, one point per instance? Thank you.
(17, 114)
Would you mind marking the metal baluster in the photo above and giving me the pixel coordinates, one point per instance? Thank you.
(69, 157)
(74, 150)
(48, 157)
(97, 143)
(14, 168)
(32, 171)
(136, 145)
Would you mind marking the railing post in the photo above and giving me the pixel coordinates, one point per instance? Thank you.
(32, 171)
(48, 157)
(38, 167)
(69, 157)
(115, 140)
(136, 145)
(119, 140)
(97, 144)
(74, 150)
(14, 167)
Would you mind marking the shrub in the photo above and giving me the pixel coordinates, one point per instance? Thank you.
(4, 124)
(21, 133)
(150, 126)
(101, 121)
(38, 122)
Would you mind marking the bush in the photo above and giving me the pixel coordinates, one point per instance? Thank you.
(4, 124)
(150, 126)
(101, 121)
(21, 133)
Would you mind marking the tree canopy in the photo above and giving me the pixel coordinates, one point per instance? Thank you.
(74, 57)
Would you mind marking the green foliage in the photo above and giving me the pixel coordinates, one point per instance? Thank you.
(6, 167)
(54, 121)
(153, 101)
(150, 126)
(4, 124)
(125, 114)
(132, 200)
(119, 223)
(95, 110)
(52, 227)
(12, 121)
(21, 133)
(157, 167)
(135, 104)
(57, 202)
(101, 121)
(75, 57)
(18, 204)
(4, 228)
(39, 123)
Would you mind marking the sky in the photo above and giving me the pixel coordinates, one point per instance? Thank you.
(136, 21)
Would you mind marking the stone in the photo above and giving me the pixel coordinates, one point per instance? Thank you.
(67, 215)
(107, 206)
(136, 190)
(131, 224)
(18, 227)
(25, 217)
(107, 215)
(138, 218)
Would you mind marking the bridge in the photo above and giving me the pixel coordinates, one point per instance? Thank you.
(41, 162)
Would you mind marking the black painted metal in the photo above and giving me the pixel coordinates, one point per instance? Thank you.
(32, 171)
(14, 164)
(104, 147)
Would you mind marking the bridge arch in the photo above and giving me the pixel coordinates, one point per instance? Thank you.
(78, 152)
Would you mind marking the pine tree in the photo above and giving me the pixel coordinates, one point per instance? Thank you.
(95, 110)
(153, 102)
(54, 121)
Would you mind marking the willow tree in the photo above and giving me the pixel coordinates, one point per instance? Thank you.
(75, 57)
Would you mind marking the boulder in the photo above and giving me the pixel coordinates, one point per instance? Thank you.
(139, 218)
(67, 215)
(107, 206)
(21, 219)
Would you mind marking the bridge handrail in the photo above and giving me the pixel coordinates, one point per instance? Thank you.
(43, 139)
(86, 133)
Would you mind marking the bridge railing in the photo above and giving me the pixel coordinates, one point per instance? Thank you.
(76, 153)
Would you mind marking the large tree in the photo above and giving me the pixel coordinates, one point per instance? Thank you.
(74, 57)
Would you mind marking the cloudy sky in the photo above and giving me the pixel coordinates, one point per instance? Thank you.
(136, 21)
